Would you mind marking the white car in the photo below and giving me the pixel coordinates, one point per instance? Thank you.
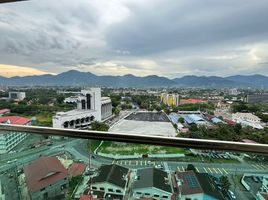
(231, 195)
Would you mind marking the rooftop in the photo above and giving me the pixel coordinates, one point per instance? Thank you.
(196, 183)
(113, 174)
(148, 116)
(16, 120)
(152, 177)
(3, 111)
(77, 169)
(193, 118)
(43, 172)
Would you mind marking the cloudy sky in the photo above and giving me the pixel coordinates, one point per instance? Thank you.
(170, 38)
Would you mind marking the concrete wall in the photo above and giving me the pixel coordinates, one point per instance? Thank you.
(108, 188)
(151, 192)
(51, 190)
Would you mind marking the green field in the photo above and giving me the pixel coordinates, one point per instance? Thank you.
(137, 149)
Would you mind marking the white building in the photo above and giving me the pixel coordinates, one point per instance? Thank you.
(152, 183)
(247, 119)
(111, 180)
(90, 106)
(9, 140)
(19, 96)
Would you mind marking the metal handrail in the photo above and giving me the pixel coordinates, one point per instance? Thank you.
(142, 139)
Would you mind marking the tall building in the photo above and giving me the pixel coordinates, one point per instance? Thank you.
(19, 96)
(9, 140)
(170, 99)
(90, 106)
(257, 98)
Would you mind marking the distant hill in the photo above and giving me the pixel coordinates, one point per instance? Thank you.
(77, 78)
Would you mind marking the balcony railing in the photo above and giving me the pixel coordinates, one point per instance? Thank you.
(112, 165)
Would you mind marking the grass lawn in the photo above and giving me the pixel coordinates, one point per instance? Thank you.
(132, 149)
(42, 119)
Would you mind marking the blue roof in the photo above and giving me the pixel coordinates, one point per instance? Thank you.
(193, 119)
(174, 118)
(216, 120)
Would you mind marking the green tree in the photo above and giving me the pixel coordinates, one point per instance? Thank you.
(181, 120)
(60, 99)
(115, 111)
(99, 126)
(225, 183)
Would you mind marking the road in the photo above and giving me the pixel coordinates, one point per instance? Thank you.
(79, 150)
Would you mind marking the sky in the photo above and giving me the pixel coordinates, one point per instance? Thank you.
(170, 38)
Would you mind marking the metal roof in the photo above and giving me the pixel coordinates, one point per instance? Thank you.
(192, 119)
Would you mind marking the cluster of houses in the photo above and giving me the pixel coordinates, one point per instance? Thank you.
(47, 178)
(117, 182)
(200, 119)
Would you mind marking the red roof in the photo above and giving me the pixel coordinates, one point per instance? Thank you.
(229, 122)
(87, 197)
(15, 120)
(187, 177)
(3, 111)
(194, 101)
(43, 172)
(77, 169)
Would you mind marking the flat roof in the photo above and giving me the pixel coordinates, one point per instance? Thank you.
(148, 116)
(144, 128)
(74, 112)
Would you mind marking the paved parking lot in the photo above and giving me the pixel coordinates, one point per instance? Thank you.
(254, 185)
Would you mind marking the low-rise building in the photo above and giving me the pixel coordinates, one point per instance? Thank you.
(152, 183)
(9, 140)
(198, 186)
(192, 101)
(17, 96)
(46, 178)
(76, 169)
(110, 180)
(257, 98)
(195, 119)
(4, 111)
(247, 119)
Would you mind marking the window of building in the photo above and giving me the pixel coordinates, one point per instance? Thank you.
(110, 190)
(147, 194)
(165, 197)
(156, 195)
(101, 188)
(138, 193)
(118, 191)
(94, 188)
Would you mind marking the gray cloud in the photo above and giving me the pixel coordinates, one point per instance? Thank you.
(136, 36)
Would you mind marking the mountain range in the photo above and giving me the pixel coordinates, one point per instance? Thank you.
(77, 78)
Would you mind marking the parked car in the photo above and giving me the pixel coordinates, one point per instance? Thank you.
(231, 195)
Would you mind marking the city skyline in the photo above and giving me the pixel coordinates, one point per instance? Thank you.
(134, 37)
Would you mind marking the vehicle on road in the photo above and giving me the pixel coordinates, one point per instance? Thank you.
(159, 167)
(231, 195)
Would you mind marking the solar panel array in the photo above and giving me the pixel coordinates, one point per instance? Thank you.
(192, 181)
